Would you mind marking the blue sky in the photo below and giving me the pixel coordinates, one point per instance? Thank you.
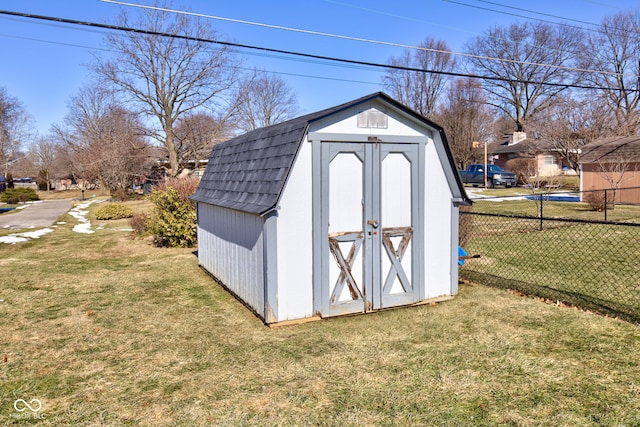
(44, 64)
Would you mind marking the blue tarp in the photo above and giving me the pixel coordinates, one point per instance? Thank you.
(461, 252)
(555, 197)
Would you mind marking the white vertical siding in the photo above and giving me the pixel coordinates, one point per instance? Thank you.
(295, 243)
(230, 246)
(439, 212)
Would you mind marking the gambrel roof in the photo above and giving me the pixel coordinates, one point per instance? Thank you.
(248, 173)
(612, 149)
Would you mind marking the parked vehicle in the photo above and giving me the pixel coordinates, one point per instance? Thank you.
(495, 176)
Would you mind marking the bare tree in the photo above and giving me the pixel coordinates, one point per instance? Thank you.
(615, 51)
(533, 56)
(24, 165)
(466, 118)
(103, 139)
(420, 90)
(570, 123)
(196, 134)
(265, 100)
(14, 129)
(613, 170)
(43, 154)
(168, 76)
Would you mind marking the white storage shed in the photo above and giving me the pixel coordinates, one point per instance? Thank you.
(348, 210)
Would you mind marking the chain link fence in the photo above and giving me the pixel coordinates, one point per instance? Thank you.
(559, 247)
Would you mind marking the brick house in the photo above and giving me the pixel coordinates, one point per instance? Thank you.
(516, 145)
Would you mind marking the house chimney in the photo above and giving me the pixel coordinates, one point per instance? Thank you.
(516, 137)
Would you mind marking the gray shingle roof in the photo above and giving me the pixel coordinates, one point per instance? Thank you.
(612, 149)
(248, 173)
(527, 146)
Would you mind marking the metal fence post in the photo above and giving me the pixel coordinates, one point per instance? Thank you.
(551, 265)
(541, 202)
(605, 205)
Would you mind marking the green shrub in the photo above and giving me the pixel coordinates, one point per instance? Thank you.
(19, 195)
(114, 211)
(173, 222)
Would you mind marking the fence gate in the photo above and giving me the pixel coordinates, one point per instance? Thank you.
(370, 196)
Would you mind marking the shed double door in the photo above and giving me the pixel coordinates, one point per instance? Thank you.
(371, 228)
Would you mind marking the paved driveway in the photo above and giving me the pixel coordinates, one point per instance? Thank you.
(39, 214)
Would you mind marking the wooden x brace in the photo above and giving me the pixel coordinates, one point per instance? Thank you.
(345, 265)
(396, 255)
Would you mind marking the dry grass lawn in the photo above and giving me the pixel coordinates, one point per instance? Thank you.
(105, 330)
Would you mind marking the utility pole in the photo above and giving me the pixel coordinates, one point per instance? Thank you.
(476, 144)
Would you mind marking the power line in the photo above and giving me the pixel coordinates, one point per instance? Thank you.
(358, 39)
(538, 13)
(293, 53)
(603, 4)
(489, 36)
(265, 55)
(600, 27)
(53, 42)
(516, 15)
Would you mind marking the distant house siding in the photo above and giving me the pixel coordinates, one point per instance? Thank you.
(234, 244)
(592, 179)
(549, 164)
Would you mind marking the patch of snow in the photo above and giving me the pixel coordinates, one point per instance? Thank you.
(79, 212)
(24, 237)
(84, 227)
(37, 234)
(13, 239)
(474, 194)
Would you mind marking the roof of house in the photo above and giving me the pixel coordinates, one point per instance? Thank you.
(248, 173)
(612, 149)
(527, 146)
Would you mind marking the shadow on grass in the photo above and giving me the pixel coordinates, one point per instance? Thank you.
(584, 301)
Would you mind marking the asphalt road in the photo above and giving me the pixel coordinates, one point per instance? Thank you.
(39, 214)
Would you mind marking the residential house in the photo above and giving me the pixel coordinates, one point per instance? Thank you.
(516, 145)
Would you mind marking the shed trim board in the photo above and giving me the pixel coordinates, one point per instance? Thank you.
(271, 268)
(347, 210)
(343, 137)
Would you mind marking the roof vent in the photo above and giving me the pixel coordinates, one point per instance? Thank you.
(373, 118)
